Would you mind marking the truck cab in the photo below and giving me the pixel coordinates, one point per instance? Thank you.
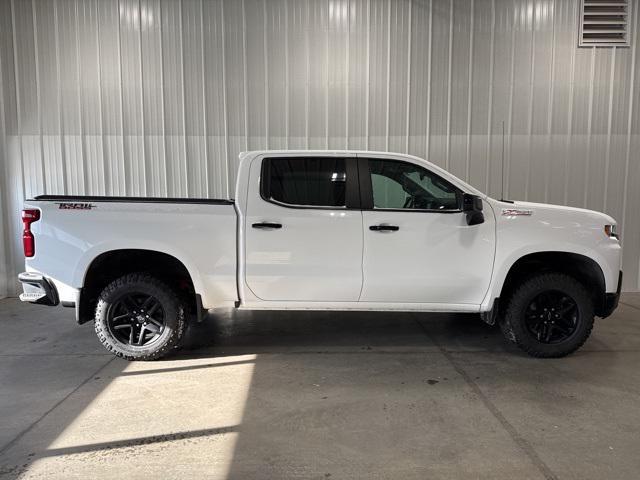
(361, 232)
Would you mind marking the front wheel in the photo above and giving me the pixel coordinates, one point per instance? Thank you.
(549, 315)
(138, 317)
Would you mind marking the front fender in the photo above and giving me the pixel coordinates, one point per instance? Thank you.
(504, 264)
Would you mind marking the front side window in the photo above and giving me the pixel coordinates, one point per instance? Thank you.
(401, 185)
(308, 182)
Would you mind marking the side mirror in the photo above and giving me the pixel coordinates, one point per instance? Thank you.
(472, 206)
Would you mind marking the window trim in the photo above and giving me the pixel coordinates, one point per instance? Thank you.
(366, 188)
(352, 189)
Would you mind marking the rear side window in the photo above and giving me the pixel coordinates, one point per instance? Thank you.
(307, 182)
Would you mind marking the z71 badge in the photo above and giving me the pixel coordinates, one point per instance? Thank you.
(75, 206)
(515, 212)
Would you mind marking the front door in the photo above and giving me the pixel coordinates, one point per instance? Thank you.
(303, 229)
(418, 247)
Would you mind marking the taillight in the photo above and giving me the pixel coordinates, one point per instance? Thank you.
(28, 242)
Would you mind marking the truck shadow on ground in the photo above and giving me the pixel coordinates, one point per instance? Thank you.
(245, 332)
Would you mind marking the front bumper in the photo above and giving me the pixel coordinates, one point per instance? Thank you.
(611, 300)
(38, 289)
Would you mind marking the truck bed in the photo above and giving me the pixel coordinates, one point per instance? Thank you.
(73, 231)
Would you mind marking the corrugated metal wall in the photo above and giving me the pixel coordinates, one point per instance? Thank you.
(158, 97)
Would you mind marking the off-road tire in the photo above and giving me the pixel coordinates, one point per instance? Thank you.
(174, 322)
(513, 323)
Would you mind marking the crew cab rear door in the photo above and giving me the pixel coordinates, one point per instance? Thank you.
(304, 228)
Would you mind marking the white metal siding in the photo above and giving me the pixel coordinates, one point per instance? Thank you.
(158, 97)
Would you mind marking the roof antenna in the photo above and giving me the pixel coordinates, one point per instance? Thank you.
(502, 181)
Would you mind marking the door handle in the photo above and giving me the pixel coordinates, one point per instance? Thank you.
(267, 225)
(384, 228)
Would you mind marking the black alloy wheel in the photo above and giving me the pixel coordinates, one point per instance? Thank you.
(552, 317)
(136, 319)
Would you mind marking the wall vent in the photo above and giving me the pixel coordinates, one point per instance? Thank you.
(604, 23)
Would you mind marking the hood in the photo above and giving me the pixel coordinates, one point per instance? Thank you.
(547, 207)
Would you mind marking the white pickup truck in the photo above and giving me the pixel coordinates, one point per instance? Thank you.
(337, 230)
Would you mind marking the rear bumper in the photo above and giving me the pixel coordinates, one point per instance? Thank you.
(38, 289)
(611, 300)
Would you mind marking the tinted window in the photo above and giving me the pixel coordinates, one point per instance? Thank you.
(402, 185)
(319, 182)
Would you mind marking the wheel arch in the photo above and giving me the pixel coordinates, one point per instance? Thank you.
(580, 267)
(112, 264)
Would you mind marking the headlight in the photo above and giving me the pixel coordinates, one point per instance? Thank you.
(611, 231)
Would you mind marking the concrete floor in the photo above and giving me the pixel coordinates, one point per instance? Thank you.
(318, 395)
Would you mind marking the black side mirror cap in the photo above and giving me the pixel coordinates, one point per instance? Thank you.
(475, 218)
(471, 203)
(472, 206)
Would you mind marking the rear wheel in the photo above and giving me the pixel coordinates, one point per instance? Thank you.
(138, 317)
(549, 315)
